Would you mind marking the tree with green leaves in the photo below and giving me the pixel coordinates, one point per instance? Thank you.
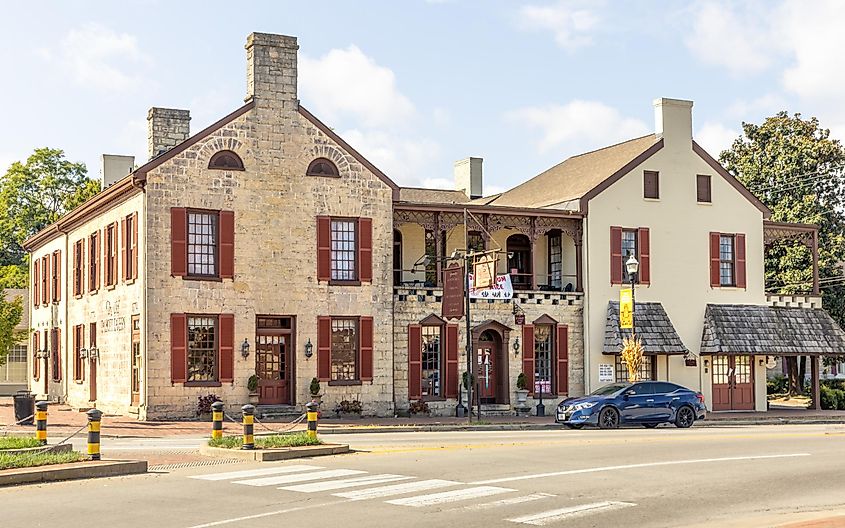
(33, 195)
(797, 169)
(11, 312)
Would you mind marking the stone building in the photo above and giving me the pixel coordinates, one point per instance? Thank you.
(266, 245)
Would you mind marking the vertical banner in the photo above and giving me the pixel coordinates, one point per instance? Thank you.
(453, 304)
(626, 308)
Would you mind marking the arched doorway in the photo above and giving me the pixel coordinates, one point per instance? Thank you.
(490, 343)
(519, 261)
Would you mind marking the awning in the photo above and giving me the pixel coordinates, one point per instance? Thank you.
(651, 324)
(768, 330)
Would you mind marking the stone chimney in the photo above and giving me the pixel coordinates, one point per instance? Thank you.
(673, 121)
(114, 167)
(166, 128)
(468, 177)
(271, 70)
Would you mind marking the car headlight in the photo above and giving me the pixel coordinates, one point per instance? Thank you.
(582, 406)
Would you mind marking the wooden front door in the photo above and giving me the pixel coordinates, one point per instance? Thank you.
(486, 357)
(136, 360)
(273, 359)
(733, 383)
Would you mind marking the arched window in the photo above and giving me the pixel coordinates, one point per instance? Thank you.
(322, 167)
(226, 160)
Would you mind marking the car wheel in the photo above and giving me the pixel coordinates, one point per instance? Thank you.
(573, 426)
(685, 417)
(609, 418)
(650, 425)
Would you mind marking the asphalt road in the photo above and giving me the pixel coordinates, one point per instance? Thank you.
(745, 476)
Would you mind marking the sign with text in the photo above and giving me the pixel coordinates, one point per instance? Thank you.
(626, 308)
(453, 293)
(484, 271)
(605, 372)
(501, 289)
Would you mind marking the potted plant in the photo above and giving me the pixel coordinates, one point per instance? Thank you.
(314, 389)
(252, 386)
(419, 407)
(204, 406)
(521, 390)
(348, 407)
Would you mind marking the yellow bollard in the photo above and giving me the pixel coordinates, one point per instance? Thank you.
(41, 422)
(217, 420)
(311, 415)
(249, 439)
(94, 417)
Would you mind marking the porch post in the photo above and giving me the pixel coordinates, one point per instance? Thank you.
(814, 374)
(579, 286)
(533, 238)
(438, 257)
(815, 250)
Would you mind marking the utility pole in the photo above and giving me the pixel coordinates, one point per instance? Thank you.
(469, 349)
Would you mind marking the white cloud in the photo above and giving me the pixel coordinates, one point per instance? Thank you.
(716, 137)
(572, 23)
(99, 57)
(438, 183)
(405, 160)
(764, 105)
(578, 125)
(346, 82)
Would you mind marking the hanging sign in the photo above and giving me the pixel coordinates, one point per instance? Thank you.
(502, 289)
(484, 269)
(519, 319)
(626, 308)
(453, 292)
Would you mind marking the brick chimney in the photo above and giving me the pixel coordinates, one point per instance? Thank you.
(271, 70)
(673, 121)
(468, 177)
(166, 128)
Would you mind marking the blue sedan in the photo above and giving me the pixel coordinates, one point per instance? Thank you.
(647, 403)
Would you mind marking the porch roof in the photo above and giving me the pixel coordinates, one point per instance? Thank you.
(651, 324)
(774, 331)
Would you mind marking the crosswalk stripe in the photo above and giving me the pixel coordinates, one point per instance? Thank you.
(255, 472)
(312, 487)
(509, 501)
(449, 496)
(396, 489)
(299, 477)
(552, 516)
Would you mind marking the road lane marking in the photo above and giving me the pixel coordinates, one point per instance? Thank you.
(549, 517)
(449, 496)
(396, 489)
(265, 514)
(299, 477)
(509, 501)
(255, 472)
(313, 487)
(635, 466)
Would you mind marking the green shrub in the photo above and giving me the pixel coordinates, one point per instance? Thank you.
(829, 399)
(314, 388)
(834, 383)
(252, 383)
(840, 399)
(266, 442)
(777, 384)
(18, 442)
(521, 382)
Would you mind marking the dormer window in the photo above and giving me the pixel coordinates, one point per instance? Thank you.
(322, 167)
(226, 160)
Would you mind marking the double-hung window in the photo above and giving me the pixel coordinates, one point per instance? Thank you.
(202, 348)
(111, 254)
(344, 244)
(432, 361)
(202, 243)
(727, 260)
(344, 349)
(629, 248)
(543, 358)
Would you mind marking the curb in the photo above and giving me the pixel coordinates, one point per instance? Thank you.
(79, 470)
(272, 455)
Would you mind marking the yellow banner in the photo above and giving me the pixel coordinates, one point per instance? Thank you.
(626, 308)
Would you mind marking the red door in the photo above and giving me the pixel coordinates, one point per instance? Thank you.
(733, 383)
(486, 370)
(271, 357)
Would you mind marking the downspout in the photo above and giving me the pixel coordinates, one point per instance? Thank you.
(65, 334)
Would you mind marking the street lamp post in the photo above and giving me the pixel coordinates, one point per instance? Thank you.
(632, 266)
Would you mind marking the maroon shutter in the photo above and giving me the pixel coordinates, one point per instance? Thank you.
(226, 353)
(366, 348)
(528, 356)
(135, 246)
(76, 352)
(98, 261)
(178, 347)
(740, 260)
(324, 348)
(58, 294)
(178, 242)
(451, 376)
(324, 248)
(414, 362)
(562, 341)
(714, 260)
(75, 269)
(113, 251)
(36, 361)
(227, 244)
(36, 298)
(45, 281)
(124, 255)
(616, 255)
(645, 260)
(365, 249)
(58, 354)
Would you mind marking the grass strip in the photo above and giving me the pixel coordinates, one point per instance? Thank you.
(267, 442)
(18, 442)
(9, 461)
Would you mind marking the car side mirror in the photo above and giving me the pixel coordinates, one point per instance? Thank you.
(630, 392)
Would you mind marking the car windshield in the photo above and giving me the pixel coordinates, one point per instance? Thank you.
(608, 389)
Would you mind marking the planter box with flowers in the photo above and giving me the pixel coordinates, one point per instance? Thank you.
(348, 408)
(204, 406)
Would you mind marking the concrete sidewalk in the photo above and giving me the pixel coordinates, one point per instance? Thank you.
(64, 420)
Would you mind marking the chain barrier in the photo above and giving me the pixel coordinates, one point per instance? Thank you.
(5, 427)
(286, 428)
(66, 438)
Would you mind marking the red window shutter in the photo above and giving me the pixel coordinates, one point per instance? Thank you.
(75, 269)
(178, 242)
(227, 244)
(451, 376)
(36, 298)
(562, 342)
(739, 240)
(124, 255)
(178, 347)
(36, 361)
(714, 260)
(414, 362)
(616, 255)
(113, 251)
(97, 261)
(75, 352)
(366, 347)
(365, 249)
(324, 348)
(226, 352)
(58, 293)
(645, 260)
(135, 246)
(324, 248)
(528, 356)
(58, 354)
(45, 281)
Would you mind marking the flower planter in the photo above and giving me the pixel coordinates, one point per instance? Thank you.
(253, 398)
(521, 398)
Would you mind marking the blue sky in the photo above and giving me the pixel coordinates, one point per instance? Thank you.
(416, 84)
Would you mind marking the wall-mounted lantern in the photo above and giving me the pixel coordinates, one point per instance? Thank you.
(516, 346)
(309, 348)
(245, 348)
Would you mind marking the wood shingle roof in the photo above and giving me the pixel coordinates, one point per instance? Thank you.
(651, 324)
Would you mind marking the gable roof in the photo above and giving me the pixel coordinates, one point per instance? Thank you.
(651, 324)
(421, 195)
